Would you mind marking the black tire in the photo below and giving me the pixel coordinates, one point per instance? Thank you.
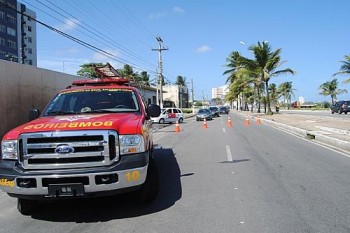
(346, 112)
(150, 188)
(25, 206)
(161, 121)
(339, 111)
(181, 120)
(332, 112)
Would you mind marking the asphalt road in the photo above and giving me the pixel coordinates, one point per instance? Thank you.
(241, 179)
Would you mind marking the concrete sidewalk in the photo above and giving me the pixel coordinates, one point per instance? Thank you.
(329, 130)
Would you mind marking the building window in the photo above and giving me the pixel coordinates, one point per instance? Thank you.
(11, 44)
(30, 51)
(30, 62)
(11, 31)
(2, 28)
(2, 55)
(11, 19)
(2, 15)
(29, 28)
(29, 39)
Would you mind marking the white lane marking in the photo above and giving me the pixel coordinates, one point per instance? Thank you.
(228, 153)
(235, 188)
(233, 172)
(224, 130)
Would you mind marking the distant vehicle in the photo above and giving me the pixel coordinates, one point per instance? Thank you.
(169, 115)
(214, 111)
(342, 106)
(297, 104)
(224, 110)
(204, 113)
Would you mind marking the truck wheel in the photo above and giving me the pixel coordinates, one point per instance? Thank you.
(25, 206)
(150, 188)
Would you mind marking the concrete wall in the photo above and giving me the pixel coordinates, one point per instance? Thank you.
(23, 87)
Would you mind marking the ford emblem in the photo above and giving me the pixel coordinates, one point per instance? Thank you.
(64, 149)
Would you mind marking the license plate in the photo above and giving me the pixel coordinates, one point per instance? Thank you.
(66, 190)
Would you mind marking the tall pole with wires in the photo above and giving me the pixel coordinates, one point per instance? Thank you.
(160, 74)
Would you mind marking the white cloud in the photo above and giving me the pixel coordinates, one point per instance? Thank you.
(178, 10)
(157, 15)
(69, 24)
(204, 49)
(100, 58)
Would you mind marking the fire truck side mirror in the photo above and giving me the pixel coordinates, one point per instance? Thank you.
(33, 114)
(153, 110)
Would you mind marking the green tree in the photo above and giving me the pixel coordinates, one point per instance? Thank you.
(144, 78)
(286, 90)
(128, 72)
(331, 89)
(88, 70)
(345, 68)
(266, 62)
(274, 94)
(181, 81)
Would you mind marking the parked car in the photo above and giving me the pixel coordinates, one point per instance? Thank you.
(214, 111)
(342, 106)
(204, 113)
(224, 110)
(169, 115)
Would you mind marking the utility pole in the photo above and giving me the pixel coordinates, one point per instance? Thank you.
(160, 67)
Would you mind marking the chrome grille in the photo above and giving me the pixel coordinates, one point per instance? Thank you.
(91, 148)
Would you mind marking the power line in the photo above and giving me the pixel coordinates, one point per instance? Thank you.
(85, 44)
(124, 31)
(95, 33)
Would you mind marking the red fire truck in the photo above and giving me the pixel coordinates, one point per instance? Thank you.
(93, 139)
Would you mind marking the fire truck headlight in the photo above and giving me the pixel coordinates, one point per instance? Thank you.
(130, 144)
(9, 149)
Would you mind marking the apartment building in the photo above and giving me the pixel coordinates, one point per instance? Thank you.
(17, 33)
(219, 92)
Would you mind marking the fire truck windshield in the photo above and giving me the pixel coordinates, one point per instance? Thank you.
(92, 101)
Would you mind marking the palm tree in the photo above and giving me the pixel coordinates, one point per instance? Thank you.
(233, 62)
(273, 94)
(181, 81)
(266, 63)
(241, 88)
(144, 78)
(287, 91)
(345, 68)
(331, 88)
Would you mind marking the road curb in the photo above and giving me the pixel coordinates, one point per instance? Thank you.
(313, 136)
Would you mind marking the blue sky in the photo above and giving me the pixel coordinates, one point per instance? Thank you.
(314, 37)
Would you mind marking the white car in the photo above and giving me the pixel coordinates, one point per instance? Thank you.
(169, 115)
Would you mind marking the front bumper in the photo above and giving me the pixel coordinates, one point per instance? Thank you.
(129, 172)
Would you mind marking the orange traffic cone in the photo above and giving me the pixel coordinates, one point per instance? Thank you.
(247, 121)
(177, 127)
(205, 125)
(258, 121)
(229, 122)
